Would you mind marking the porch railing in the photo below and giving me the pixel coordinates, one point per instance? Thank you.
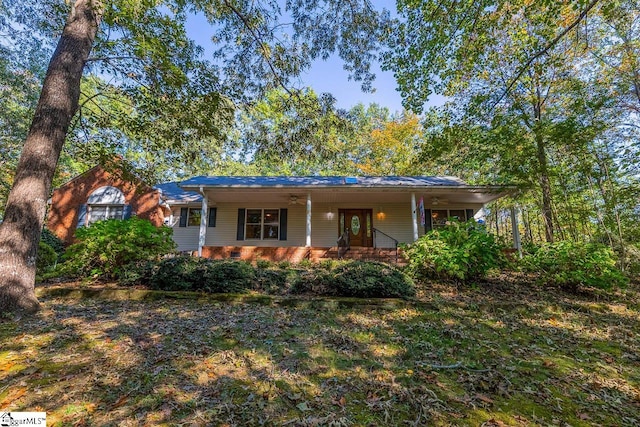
(343, 243)
(382, 236)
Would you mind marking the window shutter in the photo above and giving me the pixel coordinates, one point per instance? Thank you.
(240, 233)
(82, 216)
(213, 213)
(283, 224)
(183, 216)
(126, 212)
(428, 225)
(469, 214)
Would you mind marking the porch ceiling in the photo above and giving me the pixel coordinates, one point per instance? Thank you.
(444, 196)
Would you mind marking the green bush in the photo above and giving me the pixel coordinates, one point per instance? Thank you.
(107, 248)
(184, 273)
(52, 240)
(46, 258)
(274, 281)
(356, 279)
(573, 264)
(460, 251)
(264, 263)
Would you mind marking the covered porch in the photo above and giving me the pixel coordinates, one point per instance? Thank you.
(292, 219)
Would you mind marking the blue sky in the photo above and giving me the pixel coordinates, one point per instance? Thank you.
(329, 76)
(325, 76)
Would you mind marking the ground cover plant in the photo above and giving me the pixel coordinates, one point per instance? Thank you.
(505, 353)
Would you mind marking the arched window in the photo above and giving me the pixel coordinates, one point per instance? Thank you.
(104, 203)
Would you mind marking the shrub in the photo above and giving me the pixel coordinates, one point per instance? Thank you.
(46, 258)
(52, 240)
(460, 251)
(274, 281)
(305, 263)
(184, 273)
(356, 279)
(264, 263)
(106, 248)
(573, 264)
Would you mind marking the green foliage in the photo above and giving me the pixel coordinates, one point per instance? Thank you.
(106, 248)
(344, 278)
(264, 263)
(274, 280)
(459, 251)
(46, 259)
(305, 263)
(371, 279)
(357, 279)
(572, 264)
(184, 273)
(52, 240)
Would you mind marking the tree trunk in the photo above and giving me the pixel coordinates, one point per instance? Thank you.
(545, 185)
(27, 202)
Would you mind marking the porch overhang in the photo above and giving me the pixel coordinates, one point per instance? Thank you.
(331, 191)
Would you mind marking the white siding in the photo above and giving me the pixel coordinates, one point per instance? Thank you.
(392, 219)
(185, 237)
(225, 231)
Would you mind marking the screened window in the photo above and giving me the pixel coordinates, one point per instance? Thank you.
(194, 217)
(104, 203)
(262, 224)
(101, 212)
(439, 217)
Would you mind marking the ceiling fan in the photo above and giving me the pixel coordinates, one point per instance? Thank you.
(435, 201)
(295, 200)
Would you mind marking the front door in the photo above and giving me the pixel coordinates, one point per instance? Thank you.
(358, 223)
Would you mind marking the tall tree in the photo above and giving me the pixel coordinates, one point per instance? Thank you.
(436, 42)
(294, 134)
(143, 44)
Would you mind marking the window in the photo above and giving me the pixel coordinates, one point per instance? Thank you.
(101, 212)
(104, 203)
(194, 217)
(439, 217)
(191, 217)
(262, 224)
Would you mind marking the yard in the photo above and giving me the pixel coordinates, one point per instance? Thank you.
(506, 352)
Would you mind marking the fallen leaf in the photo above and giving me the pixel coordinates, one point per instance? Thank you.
(121, 401)
(12, 396)
(340, 402)
(483, 398)
(303, 406)
(6, 366)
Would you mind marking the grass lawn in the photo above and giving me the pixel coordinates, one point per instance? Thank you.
(501, 353)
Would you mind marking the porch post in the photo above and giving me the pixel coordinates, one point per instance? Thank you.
(202, 235)
(308, 241)
(414, 216)
(516, 231)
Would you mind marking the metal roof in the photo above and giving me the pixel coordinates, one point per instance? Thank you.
(321, 181)
(172, 193)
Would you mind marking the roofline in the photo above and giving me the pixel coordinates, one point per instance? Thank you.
(497, 188)
(102, 166)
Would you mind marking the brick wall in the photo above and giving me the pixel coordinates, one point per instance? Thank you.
(253, 253)
(66, 201)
